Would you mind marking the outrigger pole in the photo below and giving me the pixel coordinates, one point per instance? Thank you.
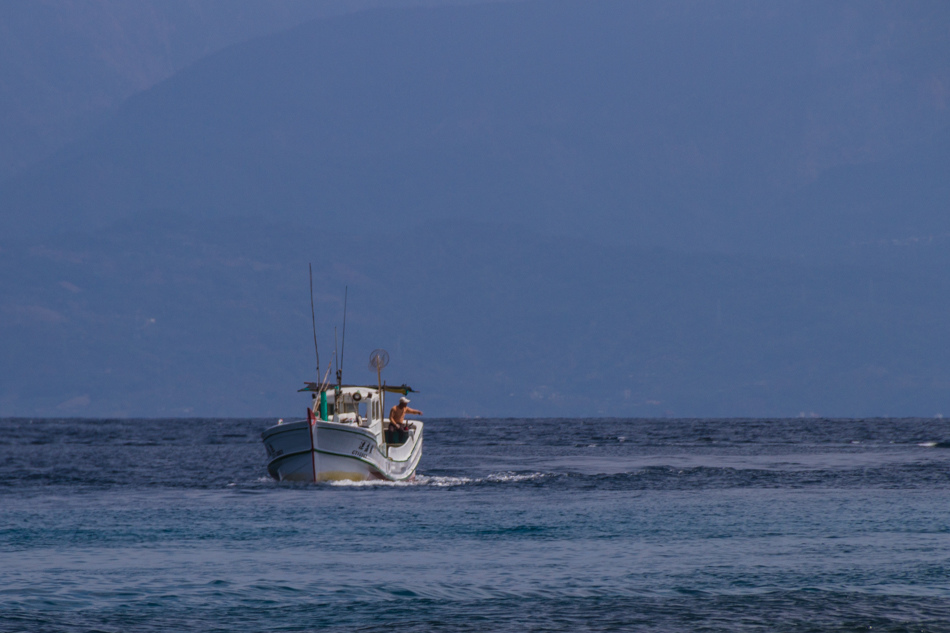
(313, 321)
(316, 350)
(339, 371)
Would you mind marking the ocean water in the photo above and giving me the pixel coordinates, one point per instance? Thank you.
(511, 525)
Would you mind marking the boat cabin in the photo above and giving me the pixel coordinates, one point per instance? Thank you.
(357, 405)
(349, 405)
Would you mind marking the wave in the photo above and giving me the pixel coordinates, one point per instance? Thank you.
(436, 481)
(914, 475)
(909, 476)
(451, 607)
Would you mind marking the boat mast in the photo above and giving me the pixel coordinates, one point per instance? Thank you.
(316, 351)
(339, 371)
(338, 405)
(313, 322)
(339, 376)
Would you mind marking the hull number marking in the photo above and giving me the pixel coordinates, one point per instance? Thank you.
(366, 447)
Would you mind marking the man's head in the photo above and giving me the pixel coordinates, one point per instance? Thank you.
(404, 402)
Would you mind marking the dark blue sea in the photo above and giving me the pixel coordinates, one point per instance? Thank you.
(511, 525)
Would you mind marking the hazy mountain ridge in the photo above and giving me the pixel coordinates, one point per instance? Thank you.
(65, 67)
(630, 119)
(526, 200)
(184, 319)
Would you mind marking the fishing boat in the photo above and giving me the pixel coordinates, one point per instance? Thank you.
(344, 437)
(345, 434)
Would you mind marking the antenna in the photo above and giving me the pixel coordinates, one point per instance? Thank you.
(313, 321)
(346, 291)
(336, 360)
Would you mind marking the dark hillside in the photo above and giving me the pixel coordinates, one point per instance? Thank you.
(178, 319)
(65, 67)
(542, 208)
(692, 126)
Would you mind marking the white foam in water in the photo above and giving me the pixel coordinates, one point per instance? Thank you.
(509, 476)
(369, 482)
(928, 444)
(443, 482)
(420, 480)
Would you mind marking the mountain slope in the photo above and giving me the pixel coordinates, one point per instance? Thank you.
(162, 318)
(66, 66)
(540, 208)
(687, 126)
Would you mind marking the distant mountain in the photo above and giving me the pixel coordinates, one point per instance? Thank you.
(687, 125)
(177, 318)
(66, 66)
(554, 208)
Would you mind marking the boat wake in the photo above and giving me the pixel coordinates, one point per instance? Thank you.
(443, 482)
(935, 444)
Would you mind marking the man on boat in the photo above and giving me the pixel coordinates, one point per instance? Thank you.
(398, 413)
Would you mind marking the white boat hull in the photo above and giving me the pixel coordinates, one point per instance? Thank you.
(327, 451)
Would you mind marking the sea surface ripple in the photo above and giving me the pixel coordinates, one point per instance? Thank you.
(510, 525)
